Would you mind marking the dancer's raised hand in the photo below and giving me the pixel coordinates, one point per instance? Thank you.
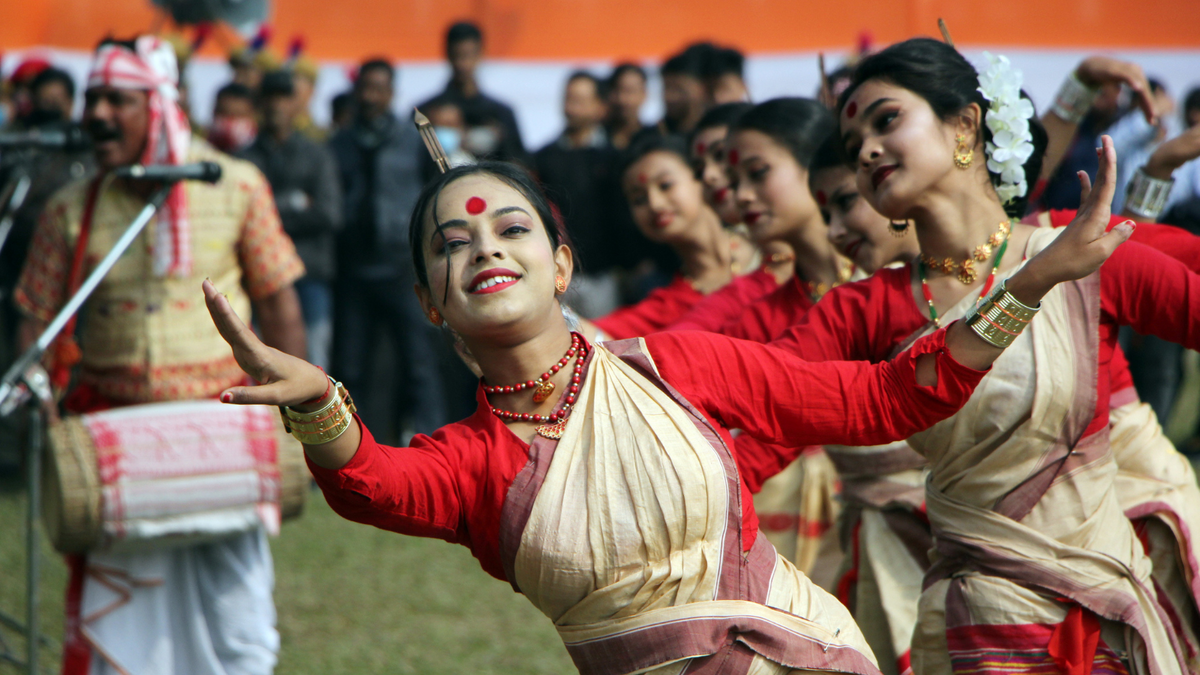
(1084, 245)
(284, 379)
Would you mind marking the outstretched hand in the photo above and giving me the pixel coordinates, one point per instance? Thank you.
(1084, 245)
(285, 379)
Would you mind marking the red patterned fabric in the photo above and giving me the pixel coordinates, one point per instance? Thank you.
(1033, 649)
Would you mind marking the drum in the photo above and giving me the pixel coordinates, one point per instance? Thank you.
(169, 473)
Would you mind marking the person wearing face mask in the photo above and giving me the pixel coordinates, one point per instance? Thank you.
(235, 120)
(379, 164)
(447, 120)
(599, 480)
(200, 608)
(491, 126)
(578, 171)
(303, 176)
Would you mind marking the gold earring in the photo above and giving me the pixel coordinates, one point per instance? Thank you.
(963, 156)
(560, 284)
(898, 228)
(435, 317)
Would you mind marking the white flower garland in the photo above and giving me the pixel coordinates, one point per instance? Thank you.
(1008, 119)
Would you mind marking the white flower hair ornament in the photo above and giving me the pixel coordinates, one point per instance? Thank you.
(1008, 119)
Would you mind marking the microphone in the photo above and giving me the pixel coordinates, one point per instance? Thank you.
(68, 138)
(208, 172)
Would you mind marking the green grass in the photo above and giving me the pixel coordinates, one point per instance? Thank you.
(350, 599)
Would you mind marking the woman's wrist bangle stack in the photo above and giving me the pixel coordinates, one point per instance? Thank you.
(1074, 99)
(999, 318)
(1146, 196)
(324, 425)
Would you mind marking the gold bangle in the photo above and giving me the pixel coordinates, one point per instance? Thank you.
(323, 425)
(1000, 318)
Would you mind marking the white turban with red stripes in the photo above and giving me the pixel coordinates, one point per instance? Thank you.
(151, 67)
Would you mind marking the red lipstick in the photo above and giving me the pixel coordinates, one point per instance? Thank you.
(881, 174)
(486, 276)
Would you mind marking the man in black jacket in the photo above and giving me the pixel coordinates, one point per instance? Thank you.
(578, 170)
(304, 178)
(492, 131)
(378, 157)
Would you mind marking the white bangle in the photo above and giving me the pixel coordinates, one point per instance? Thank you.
(1146, 197)
(1074, 99)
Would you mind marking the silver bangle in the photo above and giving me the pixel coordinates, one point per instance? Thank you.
(1074, 99)
(1146, 197)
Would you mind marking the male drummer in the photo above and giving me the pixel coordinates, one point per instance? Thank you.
(144, 337)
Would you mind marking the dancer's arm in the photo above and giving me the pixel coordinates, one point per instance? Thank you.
(1152, 292)
(779, 397)
(1094, 72)
(413, 490)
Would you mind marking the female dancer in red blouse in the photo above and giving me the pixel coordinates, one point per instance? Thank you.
(1036, 563)
(667, 203)
(709, 161)
(770, 149)
(609, 497)
(883, 524)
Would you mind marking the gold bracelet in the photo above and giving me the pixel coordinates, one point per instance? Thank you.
(999, 318)
(323, 425)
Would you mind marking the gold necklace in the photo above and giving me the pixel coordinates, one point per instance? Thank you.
(967, 274)
(816, 290)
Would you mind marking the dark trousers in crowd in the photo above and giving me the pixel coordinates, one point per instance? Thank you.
(362, 307)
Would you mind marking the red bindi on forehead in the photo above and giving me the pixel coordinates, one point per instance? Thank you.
(851, 110)
(476, 206)
(642, 178)
(733, 157)
(821, 197)
(701, 148)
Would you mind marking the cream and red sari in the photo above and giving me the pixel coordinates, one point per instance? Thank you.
(1157, 488)
(1032, 544)
(627, 533)
(886, 537)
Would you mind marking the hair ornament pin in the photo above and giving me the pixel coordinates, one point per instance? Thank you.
(1007, 118)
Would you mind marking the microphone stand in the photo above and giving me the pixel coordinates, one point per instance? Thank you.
(15, 192)
(26, 383)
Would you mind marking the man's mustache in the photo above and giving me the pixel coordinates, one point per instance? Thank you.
(101, 132)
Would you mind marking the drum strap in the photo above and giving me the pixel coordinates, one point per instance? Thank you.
(65, 353)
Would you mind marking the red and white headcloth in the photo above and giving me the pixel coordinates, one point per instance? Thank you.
(152, 68)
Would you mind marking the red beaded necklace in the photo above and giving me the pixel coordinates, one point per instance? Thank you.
(552, 425)
(542, 387)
